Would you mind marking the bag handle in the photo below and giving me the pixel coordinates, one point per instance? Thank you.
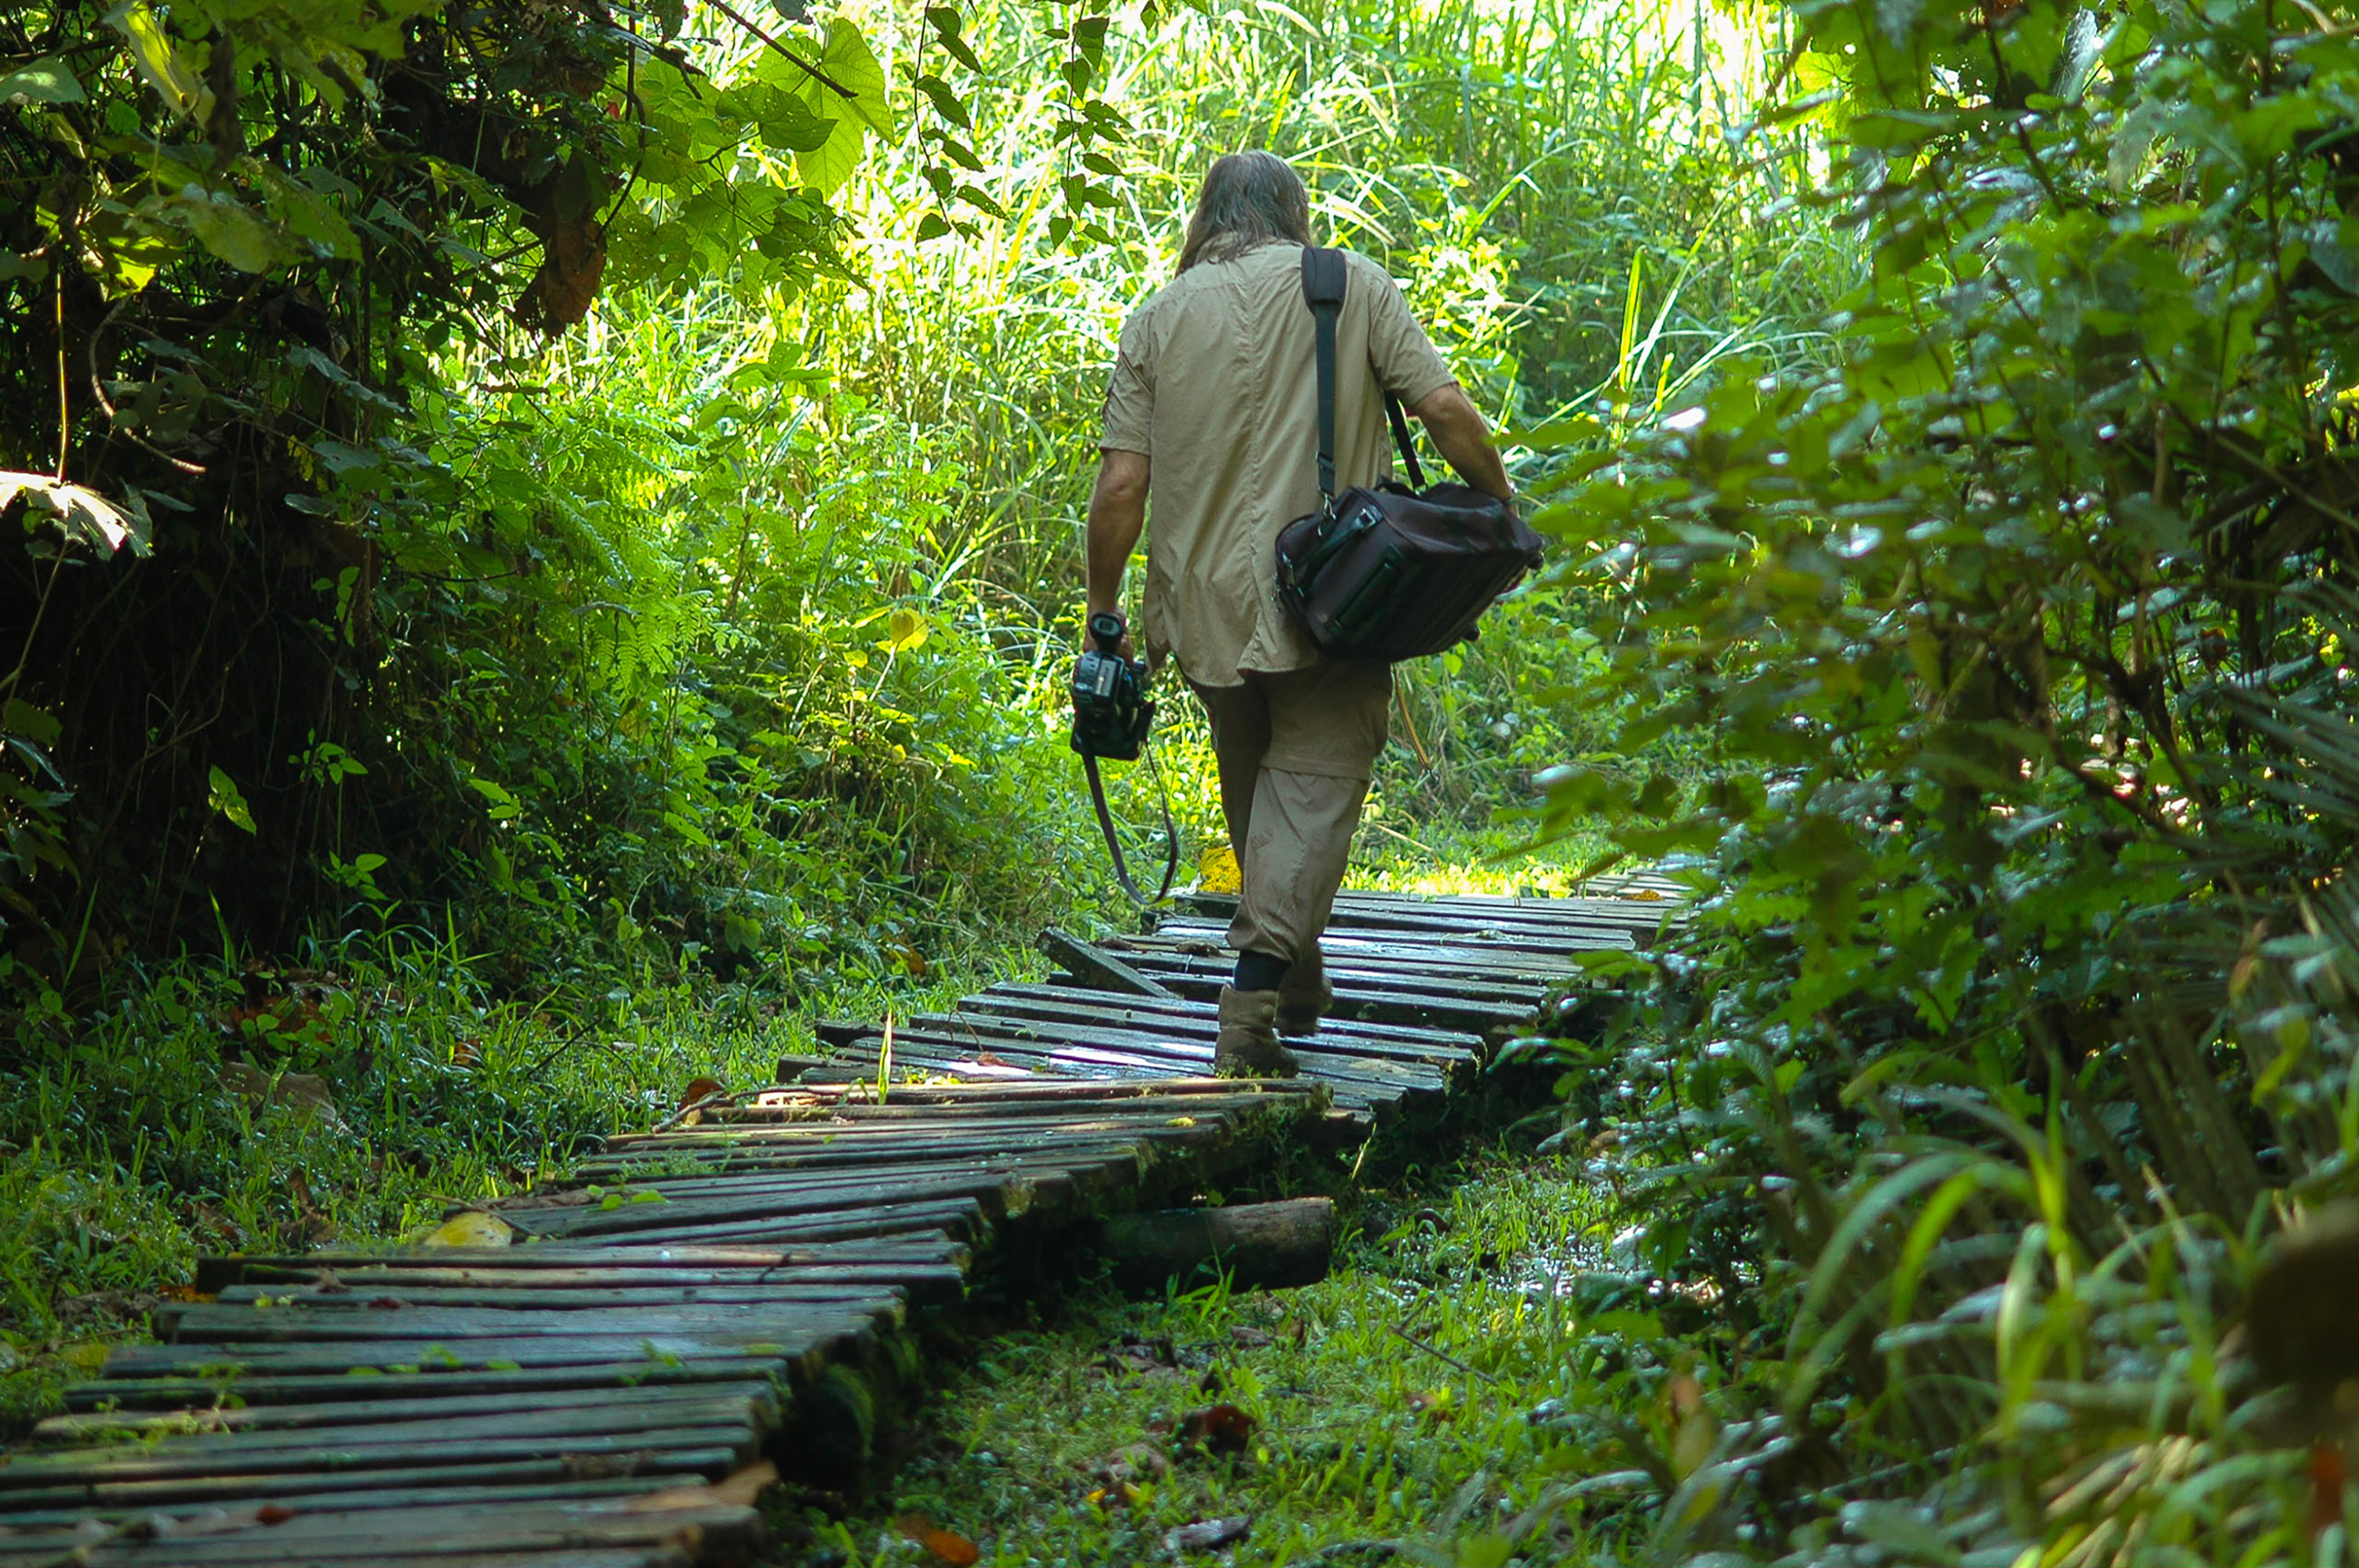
(1323, 273)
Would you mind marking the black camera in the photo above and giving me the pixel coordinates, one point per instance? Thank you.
(1111, 712)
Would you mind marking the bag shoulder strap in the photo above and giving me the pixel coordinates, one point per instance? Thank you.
(1323, 274)
(1322, 290)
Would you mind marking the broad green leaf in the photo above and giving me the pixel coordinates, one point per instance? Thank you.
(160, 61)
(224, 226)
(39, 725)
(225, 798)
(858, 109)
(42, 81)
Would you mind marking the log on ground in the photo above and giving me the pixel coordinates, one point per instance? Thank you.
(1265, 1244)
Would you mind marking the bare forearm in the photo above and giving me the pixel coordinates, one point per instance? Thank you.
(1464, 439)
(1118, 517)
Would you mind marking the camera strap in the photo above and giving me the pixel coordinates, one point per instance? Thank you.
(1113, 843)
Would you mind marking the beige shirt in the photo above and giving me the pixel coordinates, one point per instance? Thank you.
(1216, 382)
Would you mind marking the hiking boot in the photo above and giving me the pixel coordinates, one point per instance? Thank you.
(1304, 996)
(1249, 1047)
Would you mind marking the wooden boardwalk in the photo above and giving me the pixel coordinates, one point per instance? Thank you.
(700, 1301)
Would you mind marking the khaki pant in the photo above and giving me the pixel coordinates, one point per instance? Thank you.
(1294, 752)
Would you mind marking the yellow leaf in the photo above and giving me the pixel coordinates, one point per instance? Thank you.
(905, 630)
(166, 70)
(1217, 870)
(472, 1228)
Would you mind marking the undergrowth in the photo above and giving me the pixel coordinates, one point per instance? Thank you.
(1415, 1403)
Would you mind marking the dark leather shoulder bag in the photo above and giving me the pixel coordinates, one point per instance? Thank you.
(1383, 572)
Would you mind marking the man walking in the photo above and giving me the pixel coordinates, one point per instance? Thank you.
(1211, 417)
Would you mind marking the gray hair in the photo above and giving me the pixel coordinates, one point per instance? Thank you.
(1248, 198)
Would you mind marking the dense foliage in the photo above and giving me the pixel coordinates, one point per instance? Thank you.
(2016, 1012)
(515, 720)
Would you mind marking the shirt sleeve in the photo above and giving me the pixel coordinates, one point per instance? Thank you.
(1405, 360)
(1129, 422)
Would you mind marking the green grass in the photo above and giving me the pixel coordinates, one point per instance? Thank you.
(1360, 1439)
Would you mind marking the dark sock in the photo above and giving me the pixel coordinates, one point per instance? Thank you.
(1260, 971)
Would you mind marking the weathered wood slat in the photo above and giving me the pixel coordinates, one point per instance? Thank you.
(746, 1346)
(251, 1324)
(1405, 955)
(214, 1272)
(707, 1462)
(212, 1515)
(410, 1534)
(1192, 1020)
(620, 1403)
(132, 1390)
(1103, 971)
(1504, 929)
(1083, 1046)
(238, 1454)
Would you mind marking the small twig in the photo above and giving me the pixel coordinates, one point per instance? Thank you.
(806, 67)
(65, 424)
(718, 1096)
(1403, 1334)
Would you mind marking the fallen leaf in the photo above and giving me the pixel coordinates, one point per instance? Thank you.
(1298, 1330)
(1222, 1429)
(986, 1059)
(697, 1089)
(273, 1513)
(1208, 1535)
(1217, 869)
(738, 1490)
(469, 1227)
(1434, 1404)
(1251, 1338)
(1132, 1462)
(947, 1545)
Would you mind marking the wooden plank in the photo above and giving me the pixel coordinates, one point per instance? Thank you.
(1393, 1042)
(238, 1454)
(754, 1394)
(1502, 930)
(887, 1199)
(953, 1170)
(526, 1290)
(812, 1155)
(1100, 968)
(363, 1554)
(1407, 956)
(410, 1535)
(1361, 981)
(1350, 1089)
(747, 1347)
(681, 1461)
(940, 1282)
(130, 1391)
(255, 1325)
(1152, 1050)
(215, 1270)
(215, 1515)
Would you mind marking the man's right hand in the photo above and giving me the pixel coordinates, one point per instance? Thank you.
(1089, 641)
